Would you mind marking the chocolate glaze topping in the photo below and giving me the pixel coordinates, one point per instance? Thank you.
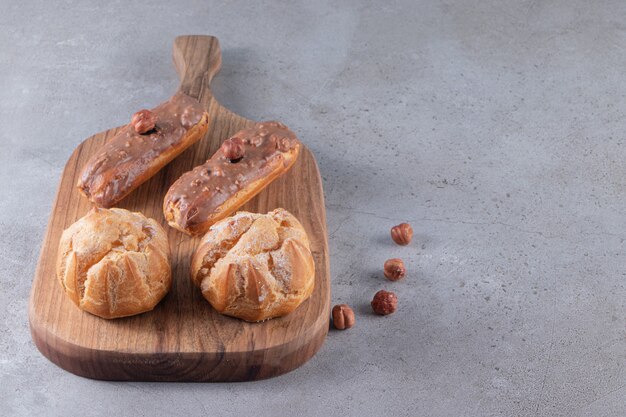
(198, 194)
(111, 173)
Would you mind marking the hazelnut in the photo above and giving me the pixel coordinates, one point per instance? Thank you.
(402, 234)
(394, 269)
(343, 317)
(233, 148)
(384, 303)
(143, 121)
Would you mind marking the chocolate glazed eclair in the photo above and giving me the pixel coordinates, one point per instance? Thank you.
(142, 148)
(244, 165)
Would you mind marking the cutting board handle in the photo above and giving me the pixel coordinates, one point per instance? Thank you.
(197, 59)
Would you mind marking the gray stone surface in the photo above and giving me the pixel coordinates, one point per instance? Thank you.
(495, 127)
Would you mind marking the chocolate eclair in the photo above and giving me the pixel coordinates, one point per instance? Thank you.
(141, 148)
(243, 166)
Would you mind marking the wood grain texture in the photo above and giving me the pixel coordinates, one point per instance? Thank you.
(183, 338)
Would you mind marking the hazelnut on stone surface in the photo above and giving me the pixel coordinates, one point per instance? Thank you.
(343, 317)
(402, 234)
(233, 148)
(143, 121)
(394, 269)
(384, 303)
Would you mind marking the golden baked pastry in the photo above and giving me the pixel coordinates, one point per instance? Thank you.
(141, 148)
(255, 266)
(114, 263)
(244, 165)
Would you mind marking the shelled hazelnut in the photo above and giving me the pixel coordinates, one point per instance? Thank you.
(394, 269)
(384, 303)
(143, 121)
(402, 234)
(233, 148)
(343, 316)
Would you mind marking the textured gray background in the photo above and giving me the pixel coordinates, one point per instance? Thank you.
(495, 127)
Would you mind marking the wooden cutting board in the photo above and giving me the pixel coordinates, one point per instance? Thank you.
(183, 338)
